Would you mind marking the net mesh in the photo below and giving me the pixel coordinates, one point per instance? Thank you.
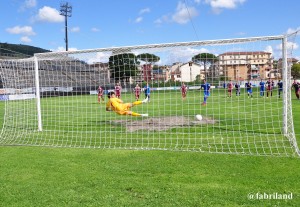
(235, 118)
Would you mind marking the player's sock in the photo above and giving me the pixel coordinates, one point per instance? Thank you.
(135, 114)
(137, 103)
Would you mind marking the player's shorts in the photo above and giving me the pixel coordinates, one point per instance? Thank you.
(229, 90)
(100, 95)
(206, 93)
(262, 89)
(249, 90)
(269, 88)
(122, 109)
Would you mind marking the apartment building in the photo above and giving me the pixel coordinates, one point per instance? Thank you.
(245, 65)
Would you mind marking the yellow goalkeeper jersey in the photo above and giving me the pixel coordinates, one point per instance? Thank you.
(117, 105)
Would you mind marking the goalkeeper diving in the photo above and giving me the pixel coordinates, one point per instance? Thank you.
(115, 104)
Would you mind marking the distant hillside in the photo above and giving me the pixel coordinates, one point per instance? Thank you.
(19, 50)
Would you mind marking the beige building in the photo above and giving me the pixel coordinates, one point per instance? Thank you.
(245, 65)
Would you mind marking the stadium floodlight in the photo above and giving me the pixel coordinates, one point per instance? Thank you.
(52, 99)
(66, 11)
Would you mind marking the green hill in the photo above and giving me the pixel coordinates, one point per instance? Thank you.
(19, 50)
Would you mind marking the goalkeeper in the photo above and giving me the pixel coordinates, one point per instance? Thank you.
(117, 105)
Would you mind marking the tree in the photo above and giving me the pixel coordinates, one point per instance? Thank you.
(123, 66)
(295, 71)
(205, 59)
(149, 58)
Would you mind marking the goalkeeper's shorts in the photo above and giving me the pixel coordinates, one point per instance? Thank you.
(123, 109)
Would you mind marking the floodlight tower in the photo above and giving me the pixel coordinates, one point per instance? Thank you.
(66, 11)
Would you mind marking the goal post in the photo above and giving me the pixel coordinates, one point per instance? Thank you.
(228, 96)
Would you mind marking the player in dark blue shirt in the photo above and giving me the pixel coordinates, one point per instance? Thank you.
(206, 89)
(237, 89)
(147, 92)
(248, 87)
(280, 87)
(296, 86)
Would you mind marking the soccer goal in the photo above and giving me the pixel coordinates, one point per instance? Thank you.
(219, 96)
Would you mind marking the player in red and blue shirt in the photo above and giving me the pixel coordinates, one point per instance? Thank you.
(270, 85)
(118, 90)
(229, 89)
(183, 90)
(100, 94)
(137, 91)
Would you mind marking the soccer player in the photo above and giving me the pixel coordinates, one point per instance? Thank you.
(183, 89)
(100, 94)
(270, 85)
(237, 89)
(118, 90)
(147, 92)
(206, 90)
(229, 89)
(296, 86)
(137, 91)
(262, 88)
(115, 104)
(280, 87)
(248, 86)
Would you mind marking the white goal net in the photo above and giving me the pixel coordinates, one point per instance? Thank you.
(219, 96)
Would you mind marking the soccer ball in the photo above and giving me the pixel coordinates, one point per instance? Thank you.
(199, 117)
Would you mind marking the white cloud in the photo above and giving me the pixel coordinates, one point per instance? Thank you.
(183, 55)
(48, 14)
(30, 3)
(292, 30)
(138, 20)
(27, 5)
(241, 33)
(75, 29)
(25, 39)
(163, 19)
(197, 1)
(61, 49)
(100, 57)
(184, 13)
(224, 4)
(269, 49)
(25, 30)
(94, 29)
(142, 11)
(289, 46)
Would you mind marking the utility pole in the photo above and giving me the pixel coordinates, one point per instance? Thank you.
(66, 11)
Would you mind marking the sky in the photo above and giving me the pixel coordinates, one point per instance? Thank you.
(103, 23)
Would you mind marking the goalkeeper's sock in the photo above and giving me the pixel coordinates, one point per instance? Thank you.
(145, 115)
(137, 103)
(135, 114)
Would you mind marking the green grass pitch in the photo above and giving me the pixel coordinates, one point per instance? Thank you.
(50, 176)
